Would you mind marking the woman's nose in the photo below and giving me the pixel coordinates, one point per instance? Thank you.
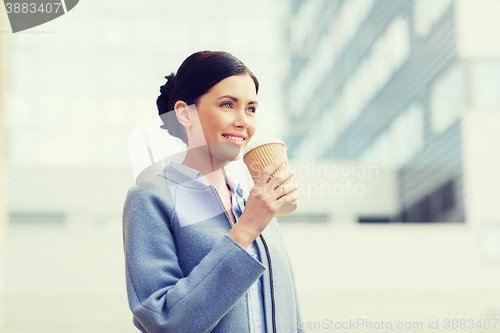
(241, 119)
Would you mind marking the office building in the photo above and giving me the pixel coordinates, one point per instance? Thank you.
(388, 83)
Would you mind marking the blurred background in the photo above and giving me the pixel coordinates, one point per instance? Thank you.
(390, 110)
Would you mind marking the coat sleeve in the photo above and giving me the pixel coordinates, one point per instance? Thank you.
(161, 298)
(300, 328)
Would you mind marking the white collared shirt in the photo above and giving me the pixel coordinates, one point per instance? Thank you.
(254, 294)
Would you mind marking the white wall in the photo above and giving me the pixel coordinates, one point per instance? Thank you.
(395, 272)
(481, 142)
(3, 145)
(477, 27)
(69, 277)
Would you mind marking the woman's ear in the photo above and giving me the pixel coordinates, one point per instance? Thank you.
(182, 112)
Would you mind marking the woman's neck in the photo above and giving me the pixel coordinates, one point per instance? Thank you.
(199, 159)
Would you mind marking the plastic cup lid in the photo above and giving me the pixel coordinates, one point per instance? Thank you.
(261, 142)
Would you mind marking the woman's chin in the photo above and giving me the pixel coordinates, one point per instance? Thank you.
(238, 157)
(226, 151)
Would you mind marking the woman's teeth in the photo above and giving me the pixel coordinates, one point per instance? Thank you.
(235, 138)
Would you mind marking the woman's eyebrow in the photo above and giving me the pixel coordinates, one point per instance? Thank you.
(236, 100)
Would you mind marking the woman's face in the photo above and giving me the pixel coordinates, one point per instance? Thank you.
(227, 114)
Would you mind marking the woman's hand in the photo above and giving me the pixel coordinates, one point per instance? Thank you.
(262, 203)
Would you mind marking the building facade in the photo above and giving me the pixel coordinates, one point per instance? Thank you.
(387, 82)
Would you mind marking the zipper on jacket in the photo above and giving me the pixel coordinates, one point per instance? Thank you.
(271, 276)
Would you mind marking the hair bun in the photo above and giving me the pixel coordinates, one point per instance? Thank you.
(165, 93)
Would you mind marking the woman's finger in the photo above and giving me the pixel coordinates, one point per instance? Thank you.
(284, 189)
(281, 177)
(287, 199)
(269, 171)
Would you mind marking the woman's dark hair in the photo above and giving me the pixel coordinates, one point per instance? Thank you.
(195, 77)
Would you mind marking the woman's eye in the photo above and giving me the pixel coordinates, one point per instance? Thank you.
(252, 109)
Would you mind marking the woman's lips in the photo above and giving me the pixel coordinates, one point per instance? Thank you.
(239, 143)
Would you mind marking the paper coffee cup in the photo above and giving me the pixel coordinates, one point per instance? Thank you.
(261, 153)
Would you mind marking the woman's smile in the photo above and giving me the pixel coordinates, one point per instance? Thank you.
(238, 139)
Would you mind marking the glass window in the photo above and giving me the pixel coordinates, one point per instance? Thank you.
(322, 137)
(348, 20)
(383, 150)
(407, 134)
(325, 135)
(303, 22)
(389, 53)
(304, 150)
(485, 83)
(326, 51)
(447, 98)
(297, 93)
(427, 13)
(402, 139)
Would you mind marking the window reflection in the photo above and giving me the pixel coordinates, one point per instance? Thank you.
(447, 98)
(485, 77)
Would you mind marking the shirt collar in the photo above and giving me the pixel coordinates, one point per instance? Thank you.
(234, 186)
(195, 174)
(190, 172)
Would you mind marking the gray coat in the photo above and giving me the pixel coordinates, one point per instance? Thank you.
(184, 274)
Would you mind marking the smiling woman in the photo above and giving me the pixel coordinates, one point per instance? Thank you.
(201, 256)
